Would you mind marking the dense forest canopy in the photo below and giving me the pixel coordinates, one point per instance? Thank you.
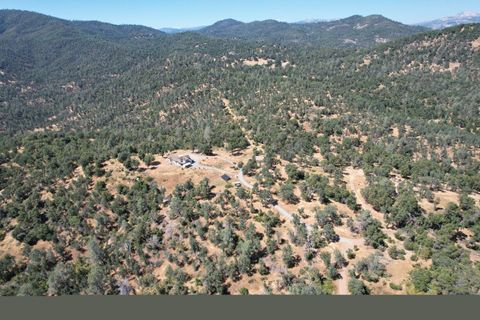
(374, 151)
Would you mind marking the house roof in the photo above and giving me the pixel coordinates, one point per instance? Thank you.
(181, 159)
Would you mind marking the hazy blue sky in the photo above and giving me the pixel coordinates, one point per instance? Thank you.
(189, 13)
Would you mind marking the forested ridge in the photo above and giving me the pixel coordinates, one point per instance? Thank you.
(352, 32)
(373, 151)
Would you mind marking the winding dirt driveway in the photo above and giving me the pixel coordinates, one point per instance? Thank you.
(342, 283)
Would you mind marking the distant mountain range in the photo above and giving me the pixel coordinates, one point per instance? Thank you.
(352, 32)
(306, 21)
(446, 22)
(180, 30)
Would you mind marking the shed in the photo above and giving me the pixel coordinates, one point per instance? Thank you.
(226, 178)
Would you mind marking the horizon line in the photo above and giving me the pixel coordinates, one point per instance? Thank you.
(303, 21)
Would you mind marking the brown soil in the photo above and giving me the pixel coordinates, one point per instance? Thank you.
(259, 62)
(11, 246)
(476, 44)
(443, 198)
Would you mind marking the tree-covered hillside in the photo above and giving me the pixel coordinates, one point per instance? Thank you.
(316, 170)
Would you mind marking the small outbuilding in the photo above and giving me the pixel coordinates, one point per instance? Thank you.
(226, 178)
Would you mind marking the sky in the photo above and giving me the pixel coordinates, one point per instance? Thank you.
(193, 13)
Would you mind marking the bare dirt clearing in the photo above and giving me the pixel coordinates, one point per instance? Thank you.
(476, 44)
(9, 245)
(169, 175)
(258, 62)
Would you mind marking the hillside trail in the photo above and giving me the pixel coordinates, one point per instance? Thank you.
(342, 283)
(356, 182)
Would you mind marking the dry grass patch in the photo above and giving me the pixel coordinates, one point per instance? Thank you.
(396, 132)
(257, 62)
(118, 175)
(10, 245)
(452, 67)
(443, 198)
(476, 44)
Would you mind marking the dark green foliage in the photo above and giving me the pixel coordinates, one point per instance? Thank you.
(63, 281)
(329, 233)
(405, 208)
(396, 254)
(370, 228)
(381, 194)
(371, 268)
(287, 193)
(41, 263)
(214, 279)
(451, 272)
(311, 282)
(396, 287)
(357, 287)
(8, 268)
(244, 292)
(339, 259)
(329, 215)
(421, 279)
(288, 257)
(247, 250)
(301, 233)
(294, 173)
